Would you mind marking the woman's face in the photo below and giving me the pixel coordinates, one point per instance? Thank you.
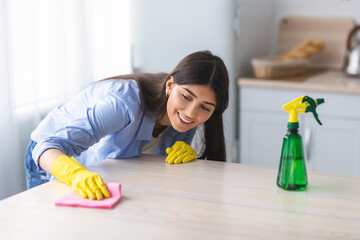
(188, 105)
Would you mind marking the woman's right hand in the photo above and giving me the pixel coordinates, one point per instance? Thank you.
(87, 184)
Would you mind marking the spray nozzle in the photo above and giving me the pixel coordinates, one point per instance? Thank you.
(312, 106)
(303, 104)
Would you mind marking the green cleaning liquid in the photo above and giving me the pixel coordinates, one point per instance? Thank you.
(292, 170)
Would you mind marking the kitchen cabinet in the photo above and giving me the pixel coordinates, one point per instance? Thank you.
(333, 147)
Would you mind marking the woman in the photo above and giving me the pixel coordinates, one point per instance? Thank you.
(126, 116)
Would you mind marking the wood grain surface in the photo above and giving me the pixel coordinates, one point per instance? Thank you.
(198, 200)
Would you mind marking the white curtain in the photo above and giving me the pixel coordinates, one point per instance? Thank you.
(49, 51)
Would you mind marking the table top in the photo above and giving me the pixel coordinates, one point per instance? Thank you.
(197, 200)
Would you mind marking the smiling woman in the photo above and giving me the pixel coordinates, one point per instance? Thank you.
(120, 116)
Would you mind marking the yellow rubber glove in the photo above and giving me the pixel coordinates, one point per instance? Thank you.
(87, 184)
(180, 152)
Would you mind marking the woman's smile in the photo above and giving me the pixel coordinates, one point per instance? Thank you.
(184, 120)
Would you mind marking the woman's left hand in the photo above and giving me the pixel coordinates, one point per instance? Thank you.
(180, 152)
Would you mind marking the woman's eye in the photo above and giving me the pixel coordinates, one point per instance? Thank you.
(185, 97)
(205, 108)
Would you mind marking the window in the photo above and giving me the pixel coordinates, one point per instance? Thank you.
(57, 47)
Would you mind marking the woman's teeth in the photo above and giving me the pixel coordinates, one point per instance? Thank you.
(184, 120)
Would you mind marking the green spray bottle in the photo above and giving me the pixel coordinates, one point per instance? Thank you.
(292, 170)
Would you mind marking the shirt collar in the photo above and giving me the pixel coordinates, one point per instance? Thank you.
(146, 127)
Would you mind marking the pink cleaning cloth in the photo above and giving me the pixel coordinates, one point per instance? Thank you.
(72, 199)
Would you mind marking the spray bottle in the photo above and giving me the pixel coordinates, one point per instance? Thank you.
(292, 170)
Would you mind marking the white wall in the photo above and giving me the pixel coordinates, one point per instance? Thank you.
(164, 31)
(336, 8)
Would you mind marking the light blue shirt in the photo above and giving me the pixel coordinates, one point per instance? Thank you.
(106, 120)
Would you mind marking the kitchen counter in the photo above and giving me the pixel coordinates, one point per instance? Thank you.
(328, 81)
(328, 148)
(198, 200)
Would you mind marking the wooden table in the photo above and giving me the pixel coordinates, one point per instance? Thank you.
(197, 200)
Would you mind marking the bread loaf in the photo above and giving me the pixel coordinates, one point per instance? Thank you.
(303, 50)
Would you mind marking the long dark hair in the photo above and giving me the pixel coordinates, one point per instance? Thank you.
(201, 68)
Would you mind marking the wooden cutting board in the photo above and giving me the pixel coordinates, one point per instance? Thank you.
(333, 31)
